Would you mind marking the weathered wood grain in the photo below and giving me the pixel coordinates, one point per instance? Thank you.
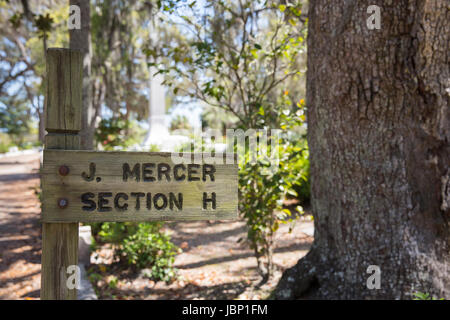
(109, 179)
(63, 120)
(63, 99)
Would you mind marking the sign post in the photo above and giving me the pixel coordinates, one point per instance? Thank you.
(98, 186)
(62, 122)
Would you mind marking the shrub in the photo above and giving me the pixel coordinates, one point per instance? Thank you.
(150, 248)
(424, 296)
(263, 190)
(114, 232)
(141, 246)
(117, 133)
(262, 200)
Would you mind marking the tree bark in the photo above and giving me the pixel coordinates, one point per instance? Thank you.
(81, 39)
(379, 132)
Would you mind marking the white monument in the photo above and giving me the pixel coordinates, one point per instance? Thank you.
(158, 134)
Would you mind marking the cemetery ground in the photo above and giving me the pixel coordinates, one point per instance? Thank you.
(215, 263)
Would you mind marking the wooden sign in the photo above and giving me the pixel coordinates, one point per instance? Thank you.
(90, 186)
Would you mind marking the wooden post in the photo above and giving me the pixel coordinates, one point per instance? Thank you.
(63, 122)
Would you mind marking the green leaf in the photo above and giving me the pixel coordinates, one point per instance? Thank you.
(261, 111)
(254, 53)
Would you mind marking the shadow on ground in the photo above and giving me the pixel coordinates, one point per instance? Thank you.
(20, 229)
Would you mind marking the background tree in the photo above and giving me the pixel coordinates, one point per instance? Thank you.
(25, 35)
(81, 39)
(119, 67)
(180, 122)
(236, 55)
(378, 131)
(239, 56)
(15, 119)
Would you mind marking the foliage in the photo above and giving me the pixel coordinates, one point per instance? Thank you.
(112, 232)
(15, 119)
(180, 122)
(5, 142)
(119, 80)
(424, 296)
(117, 133)
(263, 187)
(235, 56)
(28, 28)
(240, 57)
(151, 247)
(301, 186)
(142, 246)
(113, 281)
(212, 117)
(18, 128)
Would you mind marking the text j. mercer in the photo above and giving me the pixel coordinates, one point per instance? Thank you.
(151, 172)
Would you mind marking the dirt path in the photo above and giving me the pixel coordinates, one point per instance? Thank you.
(213, 265)
(20, 235)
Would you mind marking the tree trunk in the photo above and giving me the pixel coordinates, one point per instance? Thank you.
(81, 39)
(379, 132)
